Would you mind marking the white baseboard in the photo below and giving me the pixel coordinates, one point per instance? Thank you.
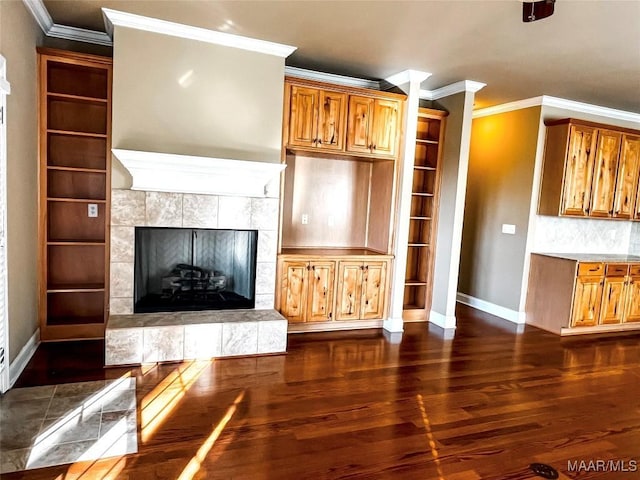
(497, 310)
(442, 321)
(20, 362)
(393, 325)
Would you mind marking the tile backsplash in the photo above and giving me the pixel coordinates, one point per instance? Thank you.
(634, 239)
(585, 235)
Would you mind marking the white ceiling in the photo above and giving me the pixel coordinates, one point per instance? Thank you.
(588, 51)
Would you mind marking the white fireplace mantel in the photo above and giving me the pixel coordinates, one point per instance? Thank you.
(167, 172)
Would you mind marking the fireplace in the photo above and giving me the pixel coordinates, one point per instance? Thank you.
(188, 269)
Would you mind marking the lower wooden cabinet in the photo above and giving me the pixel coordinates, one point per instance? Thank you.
(361, 290)
(586, 301)
(310, 290)
(569, 295)
(632, 307)
(307, 291)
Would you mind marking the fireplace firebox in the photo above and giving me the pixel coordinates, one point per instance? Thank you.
(184, 269)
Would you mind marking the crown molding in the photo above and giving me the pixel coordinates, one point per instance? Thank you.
(588, 108)
(155, 25)
(508, 107)
(79, 35)
(40, 13)
(447, 90)
(562, 103)
(407, 76)
(55, 30)
(331, 78)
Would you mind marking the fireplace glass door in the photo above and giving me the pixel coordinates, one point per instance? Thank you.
(183, 269)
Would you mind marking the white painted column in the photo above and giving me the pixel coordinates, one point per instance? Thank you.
(5, 89)
(409, 81)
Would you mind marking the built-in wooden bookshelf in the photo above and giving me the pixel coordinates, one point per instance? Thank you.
(75, 166)
(418, 284)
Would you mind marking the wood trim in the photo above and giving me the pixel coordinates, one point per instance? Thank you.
(74, 57)
(344, 88)
(586, 123)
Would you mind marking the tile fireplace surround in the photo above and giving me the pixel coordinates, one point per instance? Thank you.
(144, 337)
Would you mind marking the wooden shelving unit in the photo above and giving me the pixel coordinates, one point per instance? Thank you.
(75, 166)
(418, 283)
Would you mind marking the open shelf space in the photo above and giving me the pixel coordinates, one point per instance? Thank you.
(67, 222)
(345, 201)
(69, 308)
(71, 151)
(76, 265)
(71, 115)
(414, 297)
(75, 184)
(424, 181)
(79, 80)
(428, 130)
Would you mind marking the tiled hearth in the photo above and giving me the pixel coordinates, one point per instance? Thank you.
(168, 337)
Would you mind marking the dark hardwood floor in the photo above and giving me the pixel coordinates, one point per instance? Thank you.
(353, 405)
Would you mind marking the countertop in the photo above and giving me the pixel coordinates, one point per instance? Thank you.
(594, 257)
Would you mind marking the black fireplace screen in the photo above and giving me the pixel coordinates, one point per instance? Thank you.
(183, 269)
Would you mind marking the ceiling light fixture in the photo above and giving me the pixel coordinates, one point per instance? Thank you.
(532, 11)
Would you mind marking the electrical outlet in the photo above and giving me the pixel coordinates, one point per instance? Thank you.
(92, 210)
(305, 219)
(508, 228)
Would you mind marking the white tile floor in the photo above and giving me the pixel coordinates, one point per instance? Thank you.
(59, 424)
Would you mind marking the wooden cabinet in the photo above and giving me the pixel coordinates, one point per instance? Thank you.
(310, 290)
(418, 283)
(604, 176)
(372, 125)
(361, 290)
(614, 294)
(579, 169)
(586, 301)
(75, 186)
(632, 307)
(307, 290)
(589, 170)
(336, 119)
(570, 296)
(628, 179)
(317, 118)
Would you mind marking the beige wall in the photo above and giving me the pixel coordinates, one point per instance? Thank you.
(19, 35)
(174, 95)
(499, 189)
(452, 198)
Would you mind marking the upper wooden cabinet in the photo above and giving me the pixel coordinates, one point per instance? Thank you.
(628, 178)
(372, 125)
(317, 118)
(335, 119)
(590, 170)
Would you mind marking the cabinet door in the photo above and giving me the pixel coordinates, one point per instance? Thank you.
(332, 109)
(294, 290)
(385, 127)
(303, 117)
(320, 298)
(586, 301)
(604, 181)
(613, 300)
(373, 290)
(627, 180)
(349, 290)
(632, 310)
(359, 124)
(578, 171)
